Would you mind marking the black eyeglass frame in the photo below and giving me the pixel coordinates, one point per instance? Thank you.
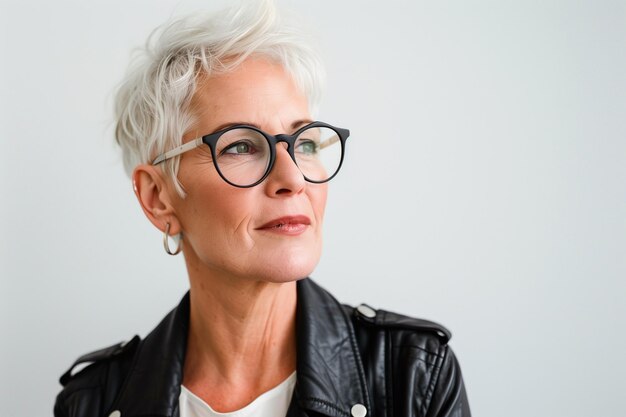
(212, 138)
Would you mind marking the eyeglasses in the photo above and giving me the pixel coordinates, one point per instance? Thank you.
(244, 155)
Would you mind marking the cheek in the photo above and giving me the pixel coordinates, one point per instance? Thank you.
(224, 210)
(217, 226)
(212, 207)
(317, 196)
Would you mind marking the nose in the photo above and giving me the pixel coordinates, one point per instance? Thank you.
(285, 177)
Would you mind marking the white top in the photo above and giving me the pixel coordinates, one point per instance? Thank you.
(272, 403)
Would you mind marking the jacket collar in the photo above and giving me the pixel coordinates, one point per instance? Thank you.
(330, 376)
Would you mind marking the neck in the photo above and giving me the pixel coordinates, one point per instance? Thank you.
(241, 339)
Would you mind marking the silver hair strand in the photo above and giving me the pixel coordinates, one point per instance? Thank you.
(152, 102)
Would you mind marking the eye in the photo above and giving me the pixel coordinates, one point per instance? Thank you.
(307, 146)
(239, 148)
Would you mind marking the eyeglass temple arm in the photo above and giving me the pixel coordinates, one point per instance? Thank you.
(329, 141)
(177, 151)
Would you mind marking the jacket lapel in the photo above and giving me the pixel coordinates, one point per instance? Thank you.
(330, 376)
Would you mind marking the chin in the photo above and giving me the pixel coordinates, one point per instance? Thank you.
(288, 268)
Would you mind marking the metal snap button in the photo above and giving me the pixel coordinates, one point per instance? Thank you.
(358, 410)
(366, 311)
(116, 413)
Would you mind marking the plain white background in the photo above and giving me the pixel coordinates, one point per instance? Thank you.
(484, 188)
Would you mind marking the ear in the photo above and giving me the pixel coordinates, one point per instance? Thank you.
(156, 197)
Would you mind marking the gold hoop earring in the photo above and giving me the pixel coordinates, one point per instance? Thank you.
(166, 243)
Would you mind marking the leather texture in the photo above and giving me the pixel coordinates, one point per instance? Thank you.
(393, 365)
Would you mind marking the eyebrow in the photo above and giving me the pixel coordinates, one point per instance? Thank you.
(295, 125)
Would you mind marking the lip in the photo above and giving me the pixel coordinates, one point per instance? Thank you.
(288, 225)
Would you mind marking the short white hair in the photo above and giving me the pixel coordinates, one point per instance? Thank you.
(152, 109)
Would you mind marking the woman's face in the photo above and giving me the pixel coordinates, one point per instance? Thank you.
(270, 232)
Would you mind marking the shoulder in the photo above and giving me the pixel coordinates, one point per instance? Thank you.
(402, 343)
(94, 379)
(412, 355)
(401, 329)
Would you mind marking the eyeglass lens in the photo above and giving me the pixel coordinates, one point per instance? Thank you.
(243, 155)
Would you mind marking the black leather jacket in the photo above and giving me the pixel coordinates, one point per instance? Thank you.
(394, 366)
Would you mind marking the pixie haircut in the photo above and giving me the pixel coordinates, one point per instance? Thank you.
(152, 104)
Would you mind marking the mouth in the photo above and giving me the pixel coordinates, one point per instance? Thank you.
(287, 224)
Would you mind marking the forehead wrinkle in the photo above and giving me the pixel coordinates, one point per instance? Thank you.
(261, 117)
(286, 125)
(273, 110)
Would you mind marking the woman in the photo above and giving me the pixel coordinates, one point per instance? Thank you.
(215, 125)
